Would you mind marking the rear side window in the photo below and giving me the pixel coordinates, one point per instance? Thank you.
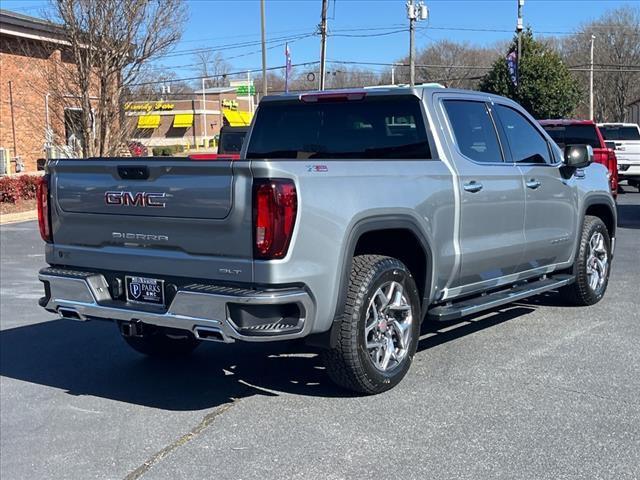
(565, 135)
(526, 143)
(474, 130)
(373, 128)
(620, 133)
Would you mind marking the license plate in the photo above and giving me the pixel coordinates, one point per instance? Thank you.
(145, 290)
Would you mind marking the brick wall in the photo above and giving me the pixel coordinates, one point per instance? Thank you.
(24, 65)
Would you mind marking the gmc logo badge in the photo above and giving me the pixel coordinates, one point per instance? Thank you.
(139, 199)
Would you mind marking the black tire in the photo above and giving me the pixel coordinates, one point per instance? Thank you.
(348, 362)
(580, 292)
(163, 343)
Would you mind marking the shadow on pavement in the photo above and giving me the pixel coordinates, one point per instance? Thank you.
(90, 358)
(437, 333)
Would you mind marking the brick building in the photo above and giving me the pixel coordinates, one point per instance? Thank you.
(33, 123)
(191, 121)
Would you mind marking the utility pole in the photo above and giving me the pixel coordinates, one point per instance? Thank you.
(519, 28)
(323, 42)
(415, 12)
(264, 51)
(593, 37)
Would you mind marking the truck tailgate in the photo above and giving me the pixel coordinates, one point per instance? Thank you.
(163, 216)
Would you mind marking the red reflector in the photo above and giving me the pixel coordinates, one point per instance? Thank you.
(44, 217)
(275, 204)
(333, 96)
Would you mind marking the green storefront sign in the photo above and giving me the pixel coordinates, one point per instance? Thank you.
(242, 90)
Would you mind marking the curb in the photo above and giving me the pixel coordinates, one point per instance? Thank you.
(18, 217)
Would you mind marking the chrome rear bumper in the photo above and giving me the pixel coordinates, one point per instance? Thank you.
(197, 308)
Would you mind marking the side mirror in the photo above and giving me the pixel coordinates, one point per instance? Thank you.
(578, 156)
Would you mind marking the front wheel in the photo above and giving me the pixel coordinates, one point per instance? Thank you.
(162, 342)
(592, 264)
(378, 328)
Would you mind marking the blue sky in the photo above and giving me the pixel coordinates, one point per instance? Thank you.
(225, 23)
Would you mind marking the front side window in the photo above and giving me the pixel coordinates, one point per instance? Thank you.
(474, 130)
(526, 143)
(372, 128)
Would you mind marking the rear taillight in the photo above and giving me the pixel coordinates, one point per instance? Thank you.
(613, 168)
(44, 217)
(607, 157)
(275, 204)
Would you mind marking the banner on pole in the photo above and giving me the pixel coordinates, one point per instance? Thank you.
(512, 65)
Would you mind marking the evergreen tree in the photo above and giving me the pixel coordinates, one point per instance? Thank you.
(545, 88)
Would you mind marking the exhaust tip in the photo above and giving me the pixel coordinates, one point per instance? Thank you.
(210, 334)
(69, 314)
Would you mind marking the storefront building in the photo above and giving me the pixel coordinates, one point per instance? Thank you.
(189, 122)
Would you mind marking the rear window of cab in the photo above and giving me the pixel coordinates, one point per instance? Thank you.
(370, 128)
(565, 135)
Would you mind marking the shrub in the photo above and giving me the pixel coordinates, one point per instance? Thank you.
(15, 189)
(28, 186)
(167, 150)
(10, 190)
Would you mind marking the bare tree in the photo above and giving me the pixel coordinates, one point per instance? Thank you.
(213, 66)
(107, 44)
(616, 52)
(454, 64)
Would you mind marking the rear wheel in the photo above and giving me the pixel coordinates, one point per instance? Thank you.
(593, 264)
(161, 342)
(378, 328)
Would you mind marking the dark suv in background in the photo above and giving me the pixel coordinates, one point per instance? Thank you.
(585, 132)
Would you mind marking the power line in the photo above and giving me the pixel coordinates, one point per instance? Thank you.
(367, 34)
(219, 75)
(180, 53)
(247, 54)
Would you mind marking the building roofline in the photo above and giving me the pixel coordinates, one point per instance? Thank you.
(19, 25)
(215, 90)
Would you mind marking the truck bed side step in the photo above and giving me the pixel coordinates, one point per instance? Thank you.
(468, 306)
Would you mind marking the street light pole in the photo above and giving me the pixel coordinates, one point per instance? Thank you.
(519, 28)
(264, 51)
(593, 37)
(204, 116)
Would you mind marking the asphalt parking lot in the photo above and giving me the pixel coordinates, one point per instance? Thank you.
(533, 391)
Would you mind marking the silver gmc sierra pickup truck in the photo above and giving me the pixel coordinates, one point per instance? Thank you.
(350, 218)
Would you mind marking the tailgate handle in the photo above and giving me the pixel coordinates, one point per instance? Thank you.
(133, 172)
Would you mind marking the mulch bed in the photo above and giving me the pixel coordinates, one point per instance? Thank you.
(21, 206)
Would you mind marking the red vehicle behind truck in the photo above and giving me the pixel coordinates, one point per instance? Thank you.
(585, 132)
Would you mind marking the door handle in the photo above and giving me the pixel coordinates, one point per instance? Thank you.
(472, 186)
(533, 184)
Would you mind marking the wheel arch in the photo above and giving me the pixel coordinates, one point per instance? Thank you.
(360, 240)
(603, 207)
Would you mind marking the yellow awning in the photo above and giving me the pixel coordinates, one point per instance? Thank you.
(183, 120)
(237, 119)
(148, 121)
